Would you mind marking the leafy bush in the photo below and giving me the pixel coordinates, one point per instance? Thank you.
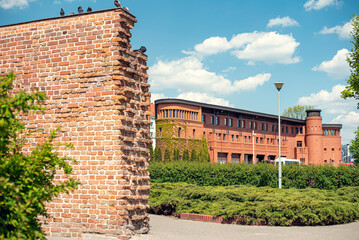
(294, 176)
(258, 205)
(26, 181)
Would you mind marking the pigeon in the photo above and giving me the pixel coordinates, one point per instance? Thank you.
(72, 13)
(62, 12)
(143, 49)
(89, 9)
(80, 9)
(127, 9)
(117, 4)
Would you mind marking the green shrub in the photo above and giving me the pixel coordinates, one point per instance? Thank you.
(26, 180)
(294, 176)
(265, 205)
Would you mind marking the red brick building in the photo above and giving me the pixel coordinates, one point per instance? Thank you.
(233, 135)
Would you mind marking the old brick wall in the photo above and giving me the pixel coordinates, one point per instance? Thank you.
(98, 94)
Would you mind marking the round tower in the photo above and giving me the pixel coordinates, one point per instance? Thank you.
(314, 136)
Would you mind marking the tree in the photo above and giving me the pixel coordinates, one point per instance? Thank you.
(354, 147)
(185, 156)
(352, 89)
(194, 157)
(297, 111)
(158, 155)
(167, 157)
(26, 180)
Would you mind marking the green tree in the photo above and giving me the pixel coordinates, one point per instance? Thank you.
(152, 153)
(158, 155)
(185, 156)
(167, 157)
(354, 147)
(26, 180)
(297, 111)
(352, 89)
(194, 157)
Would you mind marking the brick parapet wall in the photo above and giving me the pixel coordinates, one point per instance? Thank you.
(98, 94)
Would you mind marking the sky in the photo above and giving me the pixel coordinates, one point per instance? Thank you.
(231, 52)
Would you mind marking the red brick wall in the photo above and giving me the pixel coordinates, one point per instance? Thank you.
(98, 94)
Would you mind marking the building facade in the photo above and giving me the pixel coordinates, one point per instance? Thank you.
(241, 136)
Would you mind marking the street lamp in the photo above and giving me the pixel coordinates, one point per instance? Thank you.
(279, 86)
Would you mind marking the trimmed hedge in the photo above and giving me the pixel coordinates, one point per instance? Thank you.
(294, 176)
(258, 205)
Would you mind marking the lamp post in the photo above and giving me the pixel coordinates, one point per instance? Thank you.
(279, 86)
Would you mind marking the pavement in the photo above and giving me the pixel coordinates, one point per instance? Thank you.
(170, 228)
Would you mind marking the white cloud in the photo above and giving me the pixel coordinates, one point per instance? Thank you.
(229, 69)
(349, 119)
(156, 96)
(7, 4)
(269, 47)
(350, 123)
(329, 101)
(337, 67)
(204, 98)
(212, 45)
(342, 31)
(319, 4)
(188, 74)
(284, 22)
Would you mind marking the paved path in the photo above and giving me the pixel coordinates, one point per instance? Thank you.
(169, 228)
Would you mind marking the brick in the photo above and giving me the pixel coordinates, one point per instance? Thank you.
(76, 60)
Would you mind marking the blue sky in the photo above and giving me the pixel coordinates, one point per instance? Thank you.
(231, 52)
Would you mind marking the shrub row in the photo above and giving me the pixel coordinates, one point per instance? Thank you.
(294, 176)
(258, 205)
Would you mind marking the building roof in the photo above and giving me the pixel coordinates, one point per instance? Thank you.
(236, 110)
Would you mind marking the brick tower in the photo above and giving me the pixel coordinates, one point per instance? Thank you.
(314, 136)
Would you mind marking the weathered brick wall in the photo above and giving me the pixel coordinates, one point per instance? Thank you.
(98, 94)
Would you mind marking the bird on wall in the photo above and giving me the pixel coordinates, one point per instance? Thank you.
(143, 49)
(80, 10)
(127, 9)
(62, 12)
(89, 9)
(117, 4)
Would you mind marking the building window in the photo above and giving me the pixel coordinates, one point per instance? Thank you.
(237, 123)
(272, 128)
(230, 122)
(301, 130)
(296, 130)
(286, 129)
(219, 136)
(249, 139)
(299, 144)
(271, 141)
(245, 138)
(325, 149)
(255, 125)
(261, 140)
(217, 120)
(256, 139)
(265, 127)
(176, 113)
(225, 122)
(243, 124)
(204, 134)
(224, 137)
(302, 160)
(212, 120)
(236, 138)
(250, 124)
(262, 126)
(203, 118)
(333, 149)
(179, 132)
(232, 138)
(267, 140)
(194, 133)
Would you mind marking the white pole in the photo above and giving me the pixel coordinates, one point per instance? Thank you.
(279, 86)
(280, 159)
